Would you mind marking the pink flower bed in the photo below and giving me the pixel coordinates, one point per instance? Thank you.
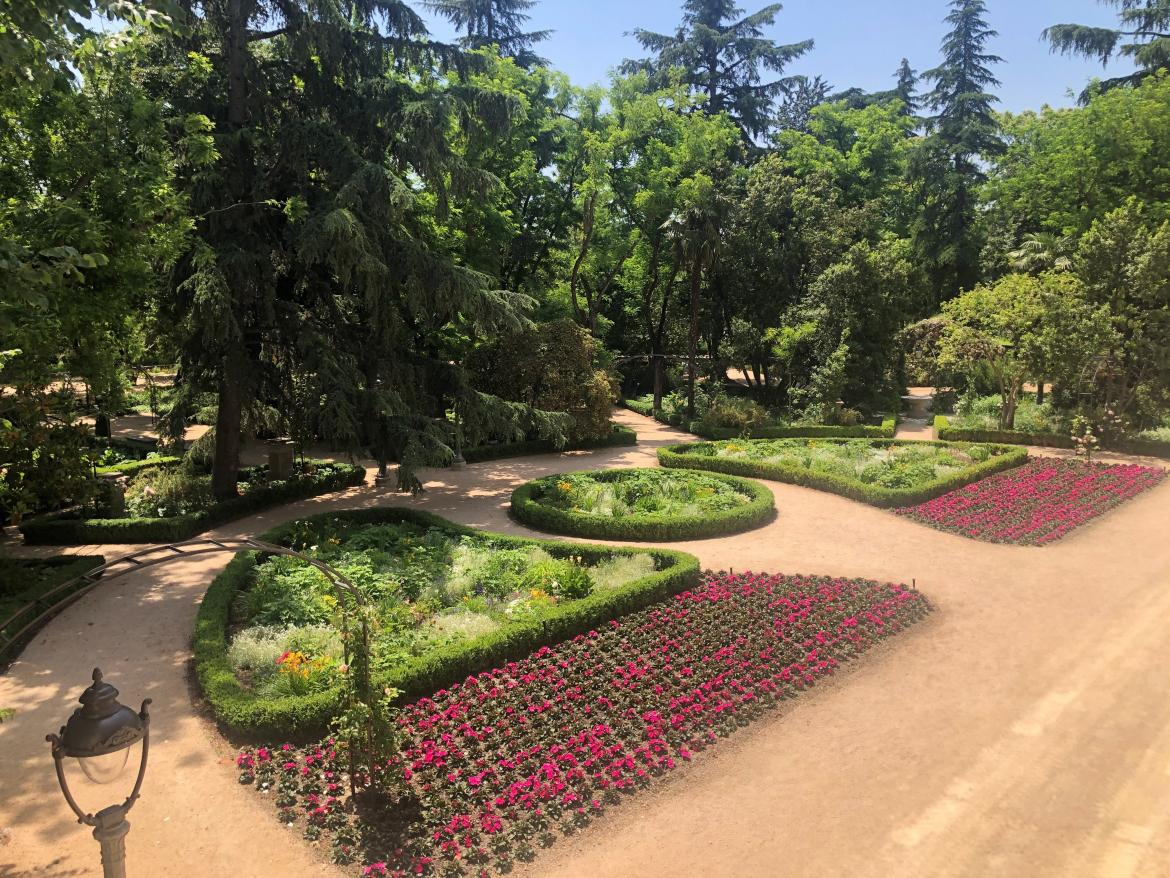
(510, 759)
(1039, 503)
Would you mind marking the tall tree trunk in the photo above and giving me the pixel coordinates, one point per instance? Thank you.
(659, 379)
(693, 334)
(225, 468)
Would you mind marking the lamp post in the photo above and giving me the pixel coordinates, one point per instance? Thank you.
(99, 736)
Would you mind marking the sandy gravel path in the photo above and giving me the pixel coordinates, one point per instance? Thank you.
(1023, 730)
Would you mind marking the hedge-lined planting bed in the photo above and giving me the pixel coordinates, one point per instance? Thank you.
(888, 428)
(945, 432)
(69, 529)
(701, 456)
(518, 756)
(707, 505)
(1036, 504)
(620, 436)
(23, 581)
(244, 712)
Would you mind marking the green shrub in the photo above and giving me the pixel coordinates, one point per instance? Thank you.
(534, 504)
(619, 436)
(701, 456)
(733, 413)
(887, 430)
(161, 492)
(69, 528)
(283, 716)
(560, 578)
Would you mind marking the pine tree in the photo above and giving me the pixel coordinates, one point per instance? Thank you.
(907, 88)
(315, 260)
(724, 57)
(1144, 23)
(947, 166)
(494, 22)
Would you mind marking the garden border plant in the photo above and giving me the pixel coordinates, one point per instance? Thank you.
(66, 528)
(248, 714)
(1009, 457)
(758, 511)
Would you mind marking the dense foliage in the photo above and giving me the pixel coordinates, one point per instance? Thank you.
(328, 224)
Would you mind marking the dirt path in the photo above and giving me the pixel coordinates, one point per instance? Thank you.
(1023, 730)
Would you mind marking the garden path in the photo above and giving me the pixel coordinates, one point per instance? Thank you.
(1023, 730)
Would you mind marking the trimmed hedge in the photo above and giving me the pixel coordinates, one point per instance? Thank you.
(875, 495)
(944, 431)
(619, 436)
(133, 467)
(23, 584)
(246, 713)
(888, 428)
(67, 529)
(649, 528)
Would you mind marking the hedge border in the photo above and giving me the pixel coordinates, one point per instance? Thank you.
(885, 498)
(248, 714)
(887, 430)
(620, 436)
(944, 431)
(131, 467)
(60, 529)
(648, 528)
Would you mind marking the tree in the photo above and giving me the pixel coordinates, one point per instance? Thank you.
(1124, 263)
(724, 57)
(947, 165)
(1066, 169)
(695, 231)
(1144, 23)
(1002, 327)
(494, 23)
(316, 248)
(1042, 251)
(906, 90)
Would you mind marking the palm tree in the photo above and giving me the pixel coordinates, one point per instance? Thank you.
(1043, 251)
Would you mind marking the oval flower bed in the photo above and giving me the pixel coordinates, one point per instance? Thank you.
(510, 759)
(642, 504)
(1036, 504)
(448, 600)
(881, 472)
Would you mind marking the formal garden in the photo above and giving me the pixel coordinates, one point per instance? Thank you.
(476, 470)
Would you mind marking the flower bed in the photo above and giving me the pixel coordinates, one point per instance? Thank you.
(1147, 444)
(1036, 504)
(70, 528)
(449, 600)
(510, 759)
(885, 473)
(642, 504)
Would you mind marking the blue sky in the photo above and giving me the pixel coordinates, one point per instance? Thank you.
(858, 42)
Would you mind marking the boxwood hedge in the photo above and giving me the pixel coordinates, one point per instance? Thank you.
(69, 529)
(886, 430)
(245, 713)
(652, 528)
(944, 431)
(685, 457)
(619, 436)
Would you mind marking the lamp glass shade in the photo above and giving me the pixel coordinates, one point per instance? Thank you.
(106, 768)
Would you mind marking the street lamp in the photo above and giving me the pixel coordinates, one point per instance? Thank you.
(99, 736)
